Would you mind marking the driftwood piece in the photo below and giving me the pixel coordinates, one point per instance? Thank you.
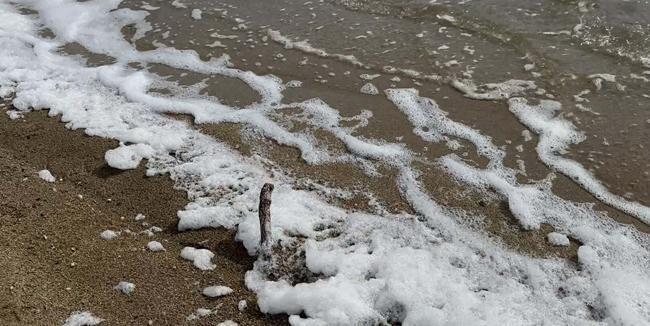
(264, 210)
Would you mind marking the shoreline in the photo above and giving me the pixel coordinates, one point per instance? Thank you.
(513, 199)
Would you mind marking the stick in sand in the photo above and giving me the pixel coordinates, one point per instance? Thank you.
(265, 217)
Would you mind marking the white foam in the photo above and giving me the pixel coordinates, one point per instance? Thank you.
(178, 4)
(534, 205)
(556, 134)
(197, 14)
(369, 76)
(216, 291)
(125, 287)
(299, 212)
(432, 124)
(493, 91)
(127, 157)
(558, 239)
(155, 246)
(82, 318)
(369, 89)
(109, 234)
(200, 313)
(305, 47)
(327, 118)
(201, 258)
(294, 83)
(15, 115)
(227, 323)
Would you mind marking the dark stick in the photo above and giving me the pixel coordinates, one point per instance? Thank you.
(265, 217)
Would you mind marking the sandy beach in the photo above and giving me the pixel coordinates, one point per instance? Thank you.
(456, 163)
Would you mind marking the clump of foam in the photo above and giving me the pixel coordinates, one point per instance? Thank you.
(558, 239)
(46, 175)
(15, 115)
(201, 258)
(216, 291)
(155, 246)
(597, 80)
(294, 83)
(178, 4)
(82, 318)
(109, 234)
(369, 89)
(127, 157)
(200, 313)
(493, 91)
(125, 287)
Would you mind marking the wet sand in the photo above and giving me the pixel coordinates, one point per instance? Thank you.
(45, 229)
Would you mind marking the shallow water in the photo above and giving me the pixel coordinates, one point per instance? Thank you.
(557, 44)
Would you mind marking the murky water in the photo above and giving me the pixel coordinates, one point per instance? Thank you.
(560, 45)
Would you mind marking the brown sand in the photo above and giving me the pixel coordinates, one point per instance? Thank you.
(46, 228)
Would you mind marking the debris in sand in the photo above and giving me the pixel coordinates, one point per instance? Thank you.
(127, 157)
(242, 305)
(46, 175)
